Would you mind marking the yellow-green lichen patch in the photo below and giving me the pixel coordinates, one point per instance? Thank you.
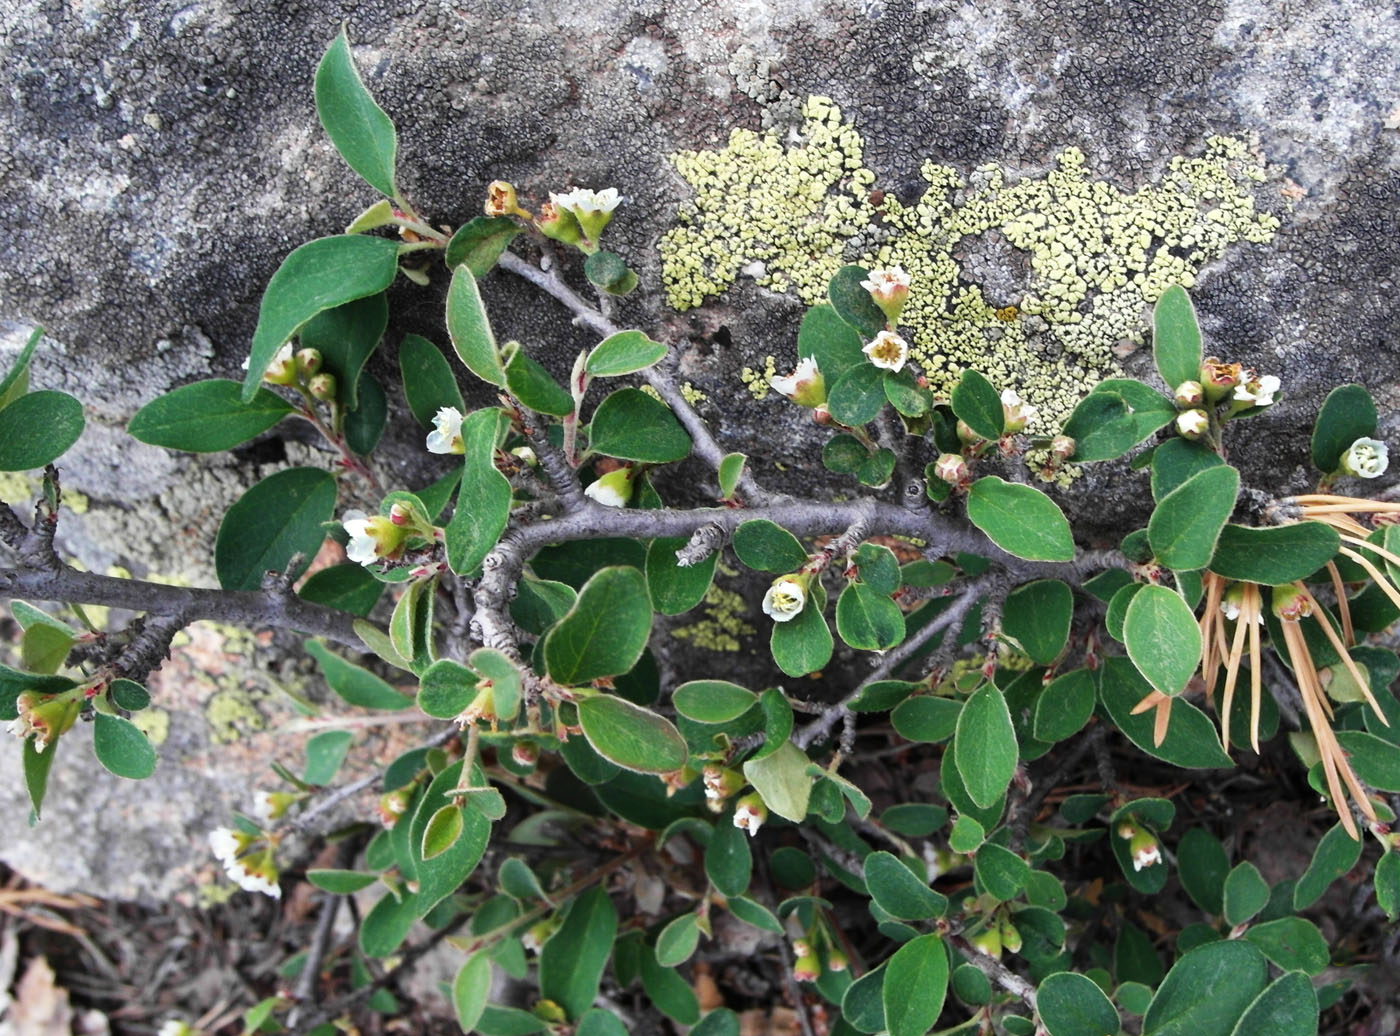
(232, 714)
(692, 394)
(759, 383)
(1097, 255)
(721, 623)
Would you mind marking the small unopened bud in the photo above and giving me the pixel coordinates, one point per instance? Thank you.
(1189, 394)
(988, 941)
(802, 947)
(308, 362)
(613, 489)
(836, 961)
(1192, 424)
(806, 969)
(720, 781)
(400, 514)
(951, 468)
(525, 455)
(1142, 844)
(1010, 936)
(283, 368)
(890, 290)
(550, 1012)
(392, 805)
(322, 387)
(1062, 447)
(821, 415)
(967, 435)
(525, 752)
(1290, 603)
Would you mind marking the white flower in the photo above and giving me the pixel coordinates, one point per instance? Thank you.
(224, 842)
(805, 386)
(888, 350)
(592, 209)
(749, 814)
(362, 548)
(1016, 413)
(784, 599)
(1257, 391)
(1147, 856)
(174, 1027)
(1366, 458)
(886, 282)
(283, 368)
(1193, 423)
(611, 490)
(446, 436)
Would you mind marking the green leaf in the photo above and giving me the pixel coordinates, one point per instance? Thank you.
(676, 588)
(853, 303)
(667, 991)
(833, 343)
(37, 428)
(1000, 872)
(1348, 413)
(533, 385)
(428, 381)
(340, 882)
(360, 130)
(754, 914)
(1115, 417)
(728, 859)
(387, 924)
(605, 631)
(355, 685)
(1275, 555)
(1336, 853)
(1020, 520)
(857, 396)
(731, 470)
(44, 647)
(320, 275)
(1287, 1008)
(573, 959)
(347, 587)
(978, 405)
(803, 644)
(36, 766)
(1246, 893)
(1207, 991)
(446, 688)
(346, 336)
(782, 781)
(324, 754)
(719, 1022)
(633, 426)
(925, 718)
(1185, 526)
(483, 501)
(504, 676)
(469, 327)
(1072, 1005)
(1176, 460)
(1292, 943)
(876, 469)
(609, 271)
(777, 721)
(867, 619)
(443, 830)
(122, 748)
(984, 746)
(365, 425)
(1037, 616)
(16, 381)
(905, 395)
(1176, 337)
(129, 695)
(914, 819)
(1203, 868)
(625, 352)
(1065, 706)
(1162, 638)
(478, 243)
(898, 891)
(629, 735)
(916, 983)
(471, 989)
(677, 941)
(596, 1021)
(440, 876)
(1192, 740)
(862, 1005)
(279, 517)
(1388, 884)
(712, 701)
(767, 547)
(1375, 760)
(207, 416)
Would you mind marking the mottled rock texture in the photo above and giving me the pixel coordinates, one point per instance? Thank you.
(163, 157)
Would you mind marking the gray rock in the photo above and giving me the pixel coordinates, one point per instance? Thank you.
(165, 156)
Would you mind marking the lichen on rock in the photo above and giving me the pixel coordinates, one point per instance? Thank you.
(790, 213)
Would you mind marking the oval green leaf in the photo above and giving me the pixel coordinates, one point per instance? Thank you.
(984, 746)
(916, 983)
(443, 830)
(767, 547)
(277, 518)
(355, 685)
(868, 620)
(857, 396)
(428, 381)
(122, 748)
(471, 989)
(898, 891)
(1072, 1005)
(360, 130)
(1037, 616)
(978, 405)
(1348, 413)
(478, 243)
(633, 426)
(1176, 339)
(712, 701)
(625, 352)
(1274, 555)
(1192, 740)
(631, 736)
(37, 428)
(605, 631)
(483, 499)
(207, 416)
(1185, 526)
(470, 329)
(1162, 638)
(853, 303)
(1207, 991)
(1287, 1008)
(1020, 520)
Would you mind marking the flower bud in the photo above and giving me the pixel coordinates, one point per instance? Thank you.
(806, 969)
(322, 387)
(525, 455)
(1010, 936)
(966, 435)
(283, 368)
(558, 224)
(538, 934)
(613, 489)
(525, 752)
(392, 805)
(308, 362)
(821, 415)
(802, 947)
(988, 941)
(836, 961)
(888, 351)
(46, 716)
(1366, 458)
(951, 468)
(805, 386)
(890, 290)
(1062, 447)
(1290, 603)
(786, 598)
(1192, 424)
(720, 781)
(750, 813)
(1142, 844)
(1189, 394)
(550, 1012)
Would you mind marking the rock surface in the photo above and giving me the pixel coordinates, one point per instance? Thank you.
(166, 156)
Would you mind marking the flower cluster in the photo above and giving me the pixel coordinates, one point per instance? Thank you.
(246, 859)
